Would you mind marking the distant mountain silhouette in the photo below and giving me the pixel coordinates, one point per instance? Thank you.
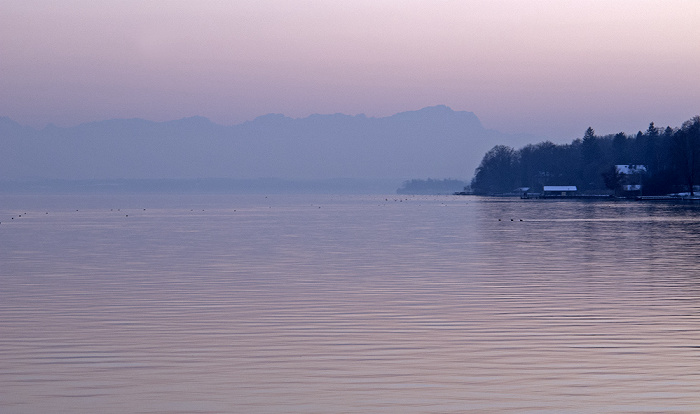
(432, 142)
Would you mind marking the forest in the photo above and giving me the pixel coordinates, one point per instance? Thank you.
(667, 160)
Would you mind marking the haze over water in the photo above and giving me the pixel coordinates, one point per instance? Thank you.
(318, 304)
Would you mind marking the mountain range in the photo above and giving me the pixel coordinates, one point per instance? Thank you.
(431, 142)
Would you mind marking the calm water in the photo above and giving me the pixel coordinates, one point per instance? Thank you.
(348, 304)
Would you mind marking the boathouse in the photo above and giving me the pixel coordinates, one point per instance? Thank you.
(559, 190)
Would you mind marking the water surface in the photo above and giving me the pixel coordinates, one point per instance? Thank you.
(336, 304)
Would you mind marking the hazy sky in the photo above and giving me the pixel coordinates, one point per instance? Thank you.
(549, 67)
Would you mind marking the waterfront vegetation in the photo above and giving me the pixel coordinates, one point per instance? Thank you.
(668, 158)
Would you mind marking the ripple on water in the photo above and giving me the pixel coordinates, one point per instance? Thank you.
(429, 305)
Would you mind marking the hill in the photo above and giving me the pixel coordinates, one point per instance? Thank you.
(431, 142)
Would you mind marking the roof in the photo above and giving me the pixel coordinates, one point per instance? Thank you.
(631, 169)
(560, 188)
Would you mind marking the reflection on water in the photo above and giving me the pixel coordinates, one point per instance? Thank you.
(291, 304)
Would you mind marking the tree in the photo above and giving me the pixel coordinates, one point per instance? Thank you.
(619, 145)
(591, 160)
(497, 172)
(686, 152)
(612, 178)
(651, 153)
(652, 131)
(538, 164)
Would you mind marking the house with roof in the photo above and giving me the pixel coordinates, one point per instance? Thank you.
(631, 178)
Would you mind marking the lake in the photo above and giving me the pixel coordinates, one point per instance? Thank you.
(347, 304)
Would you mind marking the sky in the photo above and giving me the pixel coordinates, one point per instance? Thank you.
(549, 68)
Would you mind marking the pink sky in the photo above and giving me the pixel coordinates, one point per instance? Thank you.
(548, 67)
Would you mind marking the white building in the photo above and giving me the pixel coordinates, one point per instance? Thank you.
(559, 190)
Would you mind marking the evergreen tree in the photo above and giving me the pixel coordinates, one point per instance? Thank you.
(672, 158)
(619, 144)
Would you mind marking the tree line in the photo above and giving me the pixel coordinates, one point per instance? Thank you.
(431, 186)
(669, 159)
